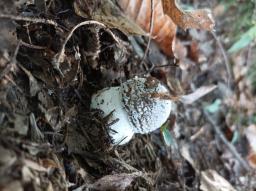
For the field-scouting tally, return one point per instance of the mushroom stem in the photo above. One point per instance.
(109, 100)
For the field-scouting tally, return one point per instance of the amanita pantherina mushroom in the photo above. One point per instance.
(139, 105)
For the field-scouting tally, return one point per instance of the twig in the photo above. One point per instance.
(28, 19)
(32, 46)
(29, 38)
(125, 165)
(226, 60)
(151, 26)
(231, 148)
(197, 134)
(60, 56)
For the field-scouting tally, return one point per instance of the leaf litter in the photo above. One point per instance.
(55, 54)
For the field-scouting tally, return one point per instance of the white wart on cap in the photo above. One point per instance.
(136, 104)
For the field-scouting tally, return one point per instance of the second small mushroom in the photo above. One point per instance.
(139, 105)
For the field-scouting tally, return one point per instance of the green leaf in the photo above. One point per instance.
(214, 107)
(244, 41)
(168, 139)
(240, 44)
(235, 137)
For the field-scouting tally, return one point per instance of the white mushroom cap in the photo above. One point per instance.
(109, 100)
(137, 104)
(145, 112)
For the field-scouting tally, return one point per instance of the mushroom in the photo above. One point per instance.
(139, 105)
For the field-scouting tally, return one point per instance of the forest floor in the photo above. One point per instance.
(50, 139)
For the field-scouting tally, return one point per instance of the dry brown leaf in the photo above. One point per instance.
(35, 134)
(199, 19)
(193, 52)
(250, 133)
(164, 29)
(52, 116)
(85, 8)
(27, 174)
(252, 159)
(212, 181)
(34, 166)
(197, 94)
(167, 15)
(33, 84)
(48, 163)
(180, 52)
(14, 185)
(114, 182)
(119, 182)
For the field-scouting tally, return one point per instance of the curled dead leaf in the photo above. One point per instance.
(199, 19)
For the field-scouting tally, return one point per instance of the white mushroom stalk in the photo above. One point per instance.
(138, 106)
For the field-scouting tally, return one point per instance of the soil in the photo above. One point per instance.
(52, 140)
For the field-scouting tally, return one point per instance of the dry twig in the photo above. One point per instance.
(226, 60)
(231, 148)
(28, 19)
(60, 56)
(32, 46)
(151, 26)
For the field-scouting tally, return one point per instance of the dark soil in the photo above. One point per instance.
(52, 140)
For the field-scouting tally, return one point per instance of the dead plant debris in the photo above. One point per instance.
(55, 54)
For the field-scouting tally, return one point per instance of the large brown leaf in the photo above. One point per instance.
(167, 15)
